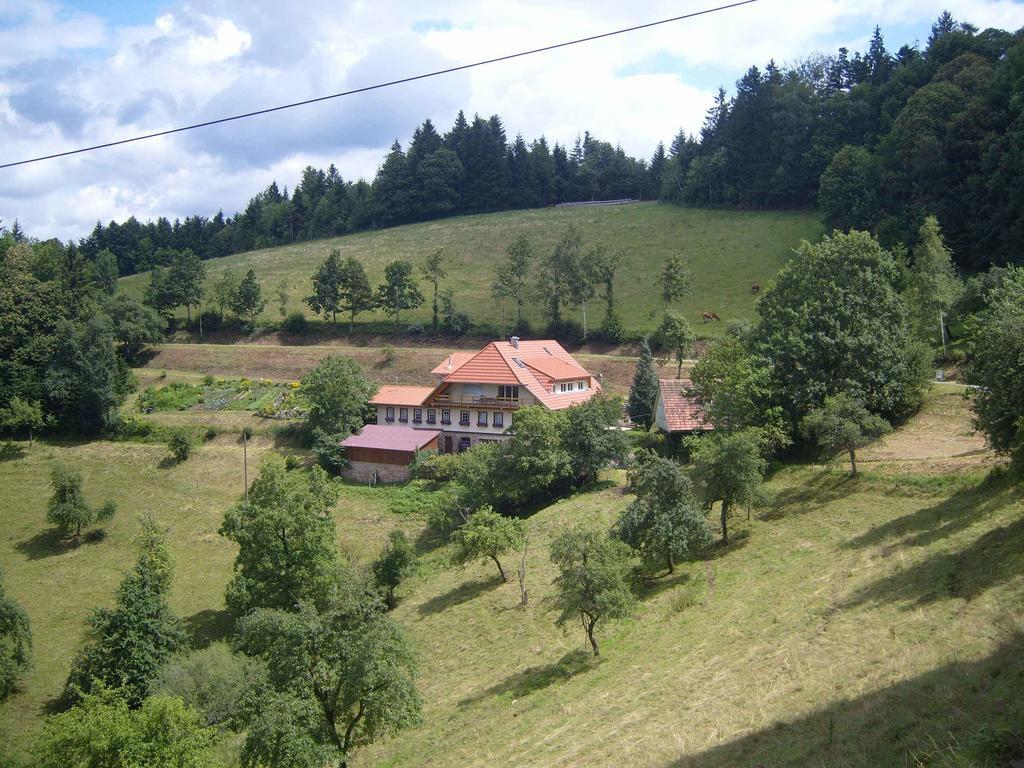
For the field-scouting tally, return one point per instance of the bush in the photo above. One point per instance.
(292, 462)
(295, 322)
(612, 329)
(247, 433)
(180, 446)
(208, 379)
(565, 329)
(209, 434)
(211, 321)
(212, 680)
(388, 355)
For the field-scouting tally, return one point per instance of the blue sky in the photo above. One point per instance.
(88, 71)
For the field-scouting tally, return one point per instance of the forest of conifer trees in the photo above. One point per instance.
(877, 141)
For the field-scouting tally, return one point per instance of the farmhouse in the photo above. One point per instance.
(478, 393)
(677, 410)
(378, 453)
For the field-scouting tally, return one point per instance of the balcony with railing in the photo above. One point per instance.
(477, 401)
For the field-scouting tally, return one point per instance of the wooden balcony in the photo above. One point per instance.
(475, 401)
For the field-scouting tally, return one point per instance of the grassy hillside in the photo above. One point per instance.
(726, 250)
(850, 624)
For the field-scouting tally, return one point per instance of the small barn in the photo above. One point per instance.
(384, 453)
(677, 410)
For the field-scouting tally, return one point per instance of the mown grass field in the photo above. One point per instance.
(726, 252)
(862, 622)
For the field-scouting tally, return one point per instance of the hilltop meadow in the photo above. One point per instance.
(725, 252)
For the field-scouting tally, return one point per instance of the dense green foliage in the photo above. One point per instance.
(337, 391)
(104, 731)
(842, 423)
(728, 467)
(549, 453)
(486, 535)
(67, 509)
(394, 564)
(997, 366)
(285, 538)
(22, 414)
(592, 584)
(664, 522)
(643, 393)
(130, 642)
(211, 680)
(340, 675)
(835, 322)
(15, 643)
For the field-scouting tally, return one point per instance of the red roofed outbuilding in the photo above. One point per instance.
(383, 453)
(677, 410)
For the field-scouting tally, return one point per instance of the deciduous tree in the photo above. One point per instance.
(338, 392)
(67, 508)
(341, 676)
(728, 467)
(843, 423)
(15, 643)
(592, 584)
(22, 414)
(104, 731)
(327, 285)
(248, 301)
(487, 535)
(434, 273)
(286, 540)
(394, 564)
(512, 276)
(398, 291)
(665, 521)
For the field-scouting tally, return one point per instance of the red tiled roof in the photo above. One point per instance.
(452, 362)
(535, 365)
(390, 438)
(683, 411)
(556, 369)
(400, 395)
(485, 367)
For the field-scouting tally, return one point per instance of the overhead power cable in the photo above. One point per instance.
(378, 86)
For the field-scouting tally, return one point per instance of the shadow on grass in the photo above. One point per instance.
(461, 594)
(647, 586)
(208, 626)
(167, 462)
(49, 543)
(428, 540)
(975, 704)
(992, 559)
(809, 495)
(738, 539)
(11, 452)
(948, 517)
(537, 678)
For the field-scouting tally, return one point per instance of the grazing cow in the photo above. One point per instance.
(708, 316)
(755, 287)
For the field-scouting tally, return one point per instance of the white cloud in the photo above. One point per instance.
(69, 78)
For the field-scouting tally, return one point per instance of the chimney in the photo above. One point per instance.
(514, 341)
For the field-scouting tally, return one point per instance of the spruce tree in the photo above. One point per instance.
(644, 390)
(132, 640)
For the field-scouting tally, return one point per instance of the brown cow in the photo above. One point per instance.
(708, 316)
(755, 287)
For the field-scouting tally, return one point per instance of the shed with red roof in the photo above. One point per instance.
(383, 453)
(677, 409)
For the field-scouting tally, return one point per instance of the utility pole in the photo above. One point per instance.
(245, 465)
(942, 333)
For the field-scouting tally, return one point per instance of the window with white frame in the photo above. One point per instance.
(403, 415)
(389, 414)
(481, 418)
(499, 419)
